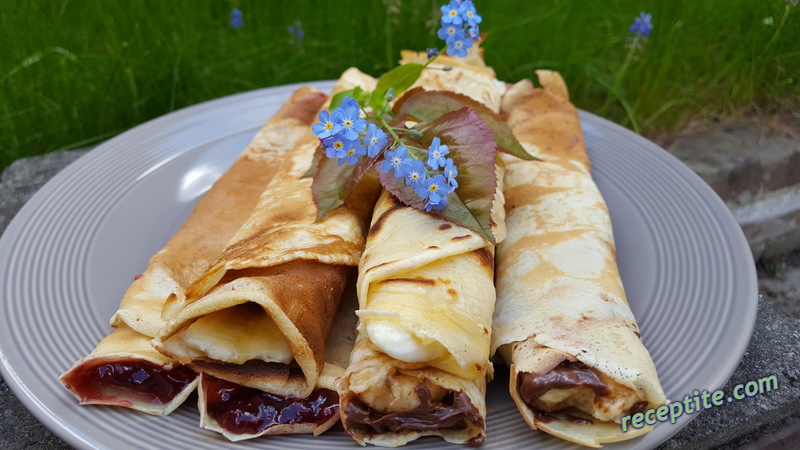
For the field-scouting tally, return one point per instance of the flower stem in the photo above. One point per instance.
(425, 66)
(416, 149)
(397, 140)
(618, 80)
(391, 131)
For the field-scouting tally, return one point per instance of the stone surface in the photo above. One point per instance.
(765, 420)
(741, 160)
(779, 282)
(19, 429)
(25, 176)
(753, 164)
(772, 224)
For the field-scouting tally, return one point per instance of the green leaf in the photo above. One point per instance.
(334, 183)
(400, 78)
(473, 150)
(360, 95)
(423, 105)
(338, 98)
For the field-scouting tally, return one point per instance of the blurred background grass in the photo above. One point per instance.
(74, 73)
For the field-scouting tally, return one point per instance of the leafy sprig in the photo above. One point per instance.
(433, 150)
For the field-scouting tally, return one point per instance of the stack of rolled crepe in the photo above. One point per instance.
(255, 324)
(562, 321)
(124, 369)
(426, 297)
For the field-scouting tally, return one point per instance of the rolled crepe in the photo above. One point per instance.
(421, 359)
(124, 369)
(562, 321)
(426, 297)
(261, 314)
(469, 76)
(189, 252)
(240, 412)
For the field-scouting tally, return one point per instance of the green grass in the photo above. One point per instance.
(74, 73)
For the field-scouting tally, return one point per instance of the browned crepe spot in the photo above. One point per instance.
(376, 227)
(419, 280)
(485, 258)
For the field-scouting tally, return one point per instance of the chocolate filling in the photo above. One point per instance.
(243, 410)
(567, 375)
(454, 410)
(638, 407)
(132, 380)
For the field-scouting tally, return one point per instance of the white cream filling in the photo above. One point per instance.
(399, 343)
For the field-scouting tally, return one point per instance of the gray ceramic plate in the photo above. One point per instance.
(71, 252)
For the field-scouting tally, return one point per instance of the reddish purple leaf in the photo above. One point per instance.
(334, 183)
(319, 153)
(424, 105)
(399, 189)
(473, 150)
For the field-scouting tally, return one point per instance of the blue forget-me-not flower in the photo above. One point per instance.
(336, 143)
(459, 27)
(642, 25)
(436, 153)
(327, 125)
(397, 160)
(435, 190)
(469, 14)
(451, 13)
(351, 153)
(375, 139)
(451, 172)
(415, 173)
(236, 18)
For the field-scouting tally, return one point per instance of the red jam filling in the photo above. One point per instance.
(243, 410)
(125, 379)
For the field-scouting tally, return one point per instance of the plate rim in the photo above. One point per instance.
(47, 418)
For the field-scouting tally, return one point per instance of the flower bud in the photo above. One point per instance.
(415, 134)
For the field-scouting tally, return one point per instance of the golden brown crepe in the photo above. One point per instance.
(205, 233)
(260, 315)
(174, 267)
(426, 297)
(562, 321)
